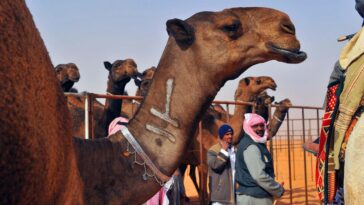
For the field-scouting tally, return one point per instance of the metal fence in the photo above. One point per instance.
(293, 166)
(302, 124)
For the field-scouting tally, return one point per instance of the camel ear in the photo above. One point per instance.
(272, 98)
(259, 101)
(107, 65)
(58, 68)
(183, 33)
(247, 81)
(137, 82)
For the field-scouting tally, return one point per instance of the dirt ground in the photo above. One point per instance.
(294, 183)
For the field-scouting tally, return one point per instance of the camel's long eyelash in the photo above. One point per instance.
(231, 28)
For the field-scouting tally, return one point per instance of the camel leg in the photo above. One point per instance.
(182, 169)
(204, 186)
(354, 172)
(202, 169)
(193, 177)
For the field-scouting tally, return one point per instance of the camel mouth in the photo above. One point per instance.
(137, 75)
(273, 86)
(291, 56)
(74, 79)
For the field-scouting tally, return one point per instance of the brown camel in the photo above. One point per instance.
(120, 73)
(146, 79)
(129, 107)
(40, 161)
(67, 74)
(262, 102)
(278, 116)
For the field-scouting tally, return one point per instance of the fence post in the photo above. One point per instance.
(289, 160)
(90, 97)
(86, 116)
(202, 164)
(304, 154)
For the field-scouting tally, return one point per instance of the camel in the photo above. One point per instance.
(262, 102)
(129, 107)
(261, 108)
(42, 163)
(120, 73)
(146, 79)
(278, 116)
(67, 74)
(282, 107)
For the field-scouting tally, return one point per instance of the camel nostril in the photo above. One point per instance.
(288, 28)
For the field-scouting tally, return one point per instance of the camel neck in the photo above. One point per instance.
(67, 86)
(168, 116)
(237, 119)
(112, 108)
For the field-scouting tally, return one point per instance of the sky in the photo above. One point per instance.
(90, 32)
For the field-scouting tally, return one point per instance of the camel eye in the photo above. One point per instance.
(259, 82)
(288, 28)
(58, 70)
(233, 30)
(145, 83)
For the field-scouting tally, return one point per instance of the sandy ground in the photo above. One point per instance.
(294, 183)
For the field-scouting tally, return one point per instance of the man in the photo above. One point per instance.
(221, 163)
(344, 106)
(254, 165)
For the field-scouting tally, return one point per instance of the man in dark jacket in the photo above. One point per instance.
(221, 163)
(254, 166)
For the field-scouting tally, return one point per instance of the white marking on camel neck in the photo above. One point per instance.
(164, 115)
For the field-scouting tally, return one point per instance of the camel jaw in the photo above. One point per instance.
(291, 56)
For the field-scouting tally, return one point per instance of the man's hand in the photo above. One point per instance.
(224, 144)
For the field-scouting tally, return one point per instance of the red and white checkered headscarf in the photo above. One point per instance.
(117, 124)
(252, 119)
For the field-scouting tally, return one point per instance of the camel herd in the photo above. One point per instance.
(41, 162)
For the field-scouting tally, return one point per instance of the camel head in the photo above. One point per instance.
(250, 87)
(146, 79)
(264, 99)
(279, 116)
(121, 71)
(235, 39)
(284, 105)
(67, 74)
